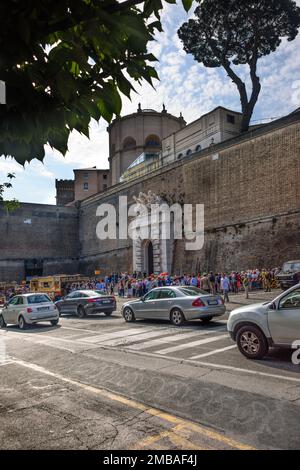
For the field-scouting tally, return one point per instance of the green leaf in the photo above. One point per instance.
(186, 4)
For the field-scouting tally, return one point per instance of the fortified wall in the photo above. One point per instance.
(250, 186)
(38, 239)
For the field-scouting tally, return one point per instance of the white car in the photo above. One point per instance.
(27, 309)
(257, 327)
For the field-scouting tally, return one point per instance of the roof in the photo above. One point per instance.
(93, 168)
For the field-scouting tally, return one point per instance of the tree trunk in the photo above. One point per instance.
(247, 105)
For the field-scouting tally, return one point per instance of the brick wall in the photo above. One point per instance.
(250, 186)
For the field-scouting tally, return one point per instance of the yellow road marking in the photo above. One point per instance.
(139, 406)
(178, 440)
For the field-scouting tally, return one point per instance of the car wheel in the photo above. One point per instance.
(80, 312)
(128, 315)
(177, 317)
(251, 342)
(108, 314)
(2, 322)
(54, 322)
(206, 319)
(22, 323)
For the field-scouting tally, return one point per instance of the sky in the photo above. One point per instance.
(185, 86)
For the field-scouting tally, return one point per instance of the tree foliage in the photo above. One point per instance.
(226, 33)
(67, 62)
(12, 204)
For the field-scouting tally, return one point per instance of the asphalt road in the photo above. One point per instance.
(99, 383)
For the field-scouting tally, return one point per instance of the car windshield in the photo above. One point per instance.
(292, 266)
(189, 290)
(88, 293)
(38, 299)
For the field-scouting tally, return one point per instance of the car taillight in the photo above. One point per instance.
(198, 303)
(222, 300)
(29, 310)
(90, 301)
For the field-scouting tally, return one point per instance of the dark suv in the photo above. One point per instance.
(289, 275)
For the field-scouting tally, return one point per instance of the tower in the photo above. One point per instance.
(142, 131)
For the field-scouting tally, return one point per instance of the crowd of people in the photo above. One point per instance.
(138, 284)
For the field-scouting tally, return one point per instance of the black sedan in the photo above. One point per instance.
(87, 302)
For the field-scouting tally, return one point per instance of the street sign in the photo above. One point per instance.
(97, 272)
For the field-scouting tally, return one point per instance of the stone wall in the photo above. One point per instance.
(44, 233)
(250, 186)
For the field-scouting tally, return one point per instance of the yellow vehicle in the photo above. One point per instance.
(54, 286)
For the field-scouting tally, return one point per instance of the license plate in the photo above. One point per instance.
(43, 309)
(106, 301)
(212, 302)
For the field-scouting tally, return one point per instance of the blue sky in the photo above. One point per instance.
(185, 86)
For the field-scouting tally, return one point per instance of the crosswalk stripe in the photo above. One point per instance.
(191, 345)
(167, 339)
(211, 353)
(134, 338)
(113, 335)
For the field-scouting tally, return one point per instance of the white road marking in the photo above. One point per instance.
(180, 347)
(168, 339)
(215, 351)
(211, 365)
(134, 338)
(115, 334)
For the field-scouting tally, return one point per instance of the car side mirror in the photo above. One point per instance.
(273, 306)
(5, 304)
(142, 298)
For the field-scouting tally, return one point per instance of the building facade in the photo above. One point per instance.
(137, 133)
(249, 185)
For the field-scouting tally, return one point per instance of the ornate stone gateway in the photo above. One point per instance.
(151, 254)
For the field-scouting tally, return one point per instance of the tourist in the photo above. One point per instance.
(225, 286)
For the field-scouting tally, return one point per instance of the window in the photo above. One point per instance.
(167, 294)
(180, 155)
(13, 301)
(85, 186)
(152, 141)
(86, 174)
(38, 299)
(105, 177)
(104, 187)
(294, 266)
(20, 301)
(292, 300)
(230, 118)
(190, 291)
(188, 152)
(152, 295)
(129, 143)
(198, 148)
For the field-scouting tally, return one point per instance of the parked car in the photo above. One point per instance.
(176, 304)
(87, 302)
(27, 309)
(257, 327)
(289, 274)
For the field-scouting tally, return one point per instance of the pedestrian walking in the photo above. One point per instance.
(225, 286)
(246, 286)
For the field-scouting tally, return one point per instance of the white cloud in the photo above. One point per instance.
(185, 86)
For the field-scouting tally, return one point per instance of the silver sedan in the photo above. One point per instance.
(176, 304)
